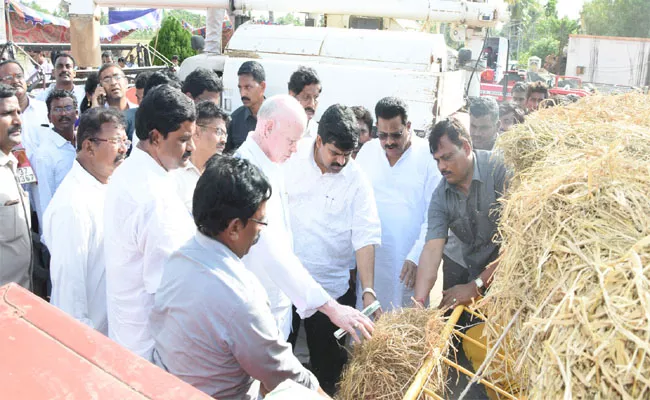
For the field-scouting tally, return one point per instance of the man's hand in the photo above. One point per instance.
(98, 97)
(407, 276)
(459, 295)
(348, 319)
(368, 299)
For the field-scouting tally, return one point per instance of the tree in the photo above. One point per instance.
(627, 18)
(63, 11)
(172, 39)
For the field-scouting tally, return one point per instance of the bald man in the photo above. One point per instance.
(281, 122)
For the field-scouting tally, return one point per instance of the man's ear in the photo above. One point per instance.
(269, 124)
(87, 146)
(234, 228)
(155, 137)
(467, 147)
(263, 85)
(408, 126)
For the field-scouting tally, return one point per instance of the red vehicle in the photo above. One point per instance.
(563, 85)
(568, 85)
(492, 89)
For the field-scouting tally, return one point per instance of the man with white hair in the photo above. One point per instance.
(281, 122)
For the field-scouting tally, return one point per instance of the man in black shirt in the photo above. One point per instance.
(252, 83)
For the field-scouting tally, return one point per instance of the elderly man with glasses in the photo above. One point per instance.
(75, 235)
(209, 139)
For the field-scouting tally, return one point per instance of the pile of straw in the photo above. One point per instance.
(384, 366)
(575, 268)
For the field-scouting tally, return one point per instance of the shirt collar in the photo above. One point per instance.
(57, 139)
(145, 159)
(256, 152)
(248, 113)
(214, 245)
(84, 176)
(5, 158)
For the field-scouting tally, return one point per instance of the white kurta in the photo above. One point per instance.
(144, 222)
(75, 237)
(272, 259)
(403, 193)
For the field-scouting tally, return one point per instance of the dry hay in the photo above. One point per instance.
(384, 366)
(575, 260)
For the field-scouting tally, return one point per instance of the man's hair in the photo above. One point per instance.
(106, 54)
(6, 91)
(206, 110)
(91, 121)
(164, 77)
(59, 55)
(107, 66)
(453, 128)
(92, 80)
(391, 107)
(59, 94)
(164, 108)
(482, 106)
(304, 76)
(509, 107)
(121, 59)
(229, 188)
(363, 115)
(254, 69)
(279, 106)
(520, 87)
(141, 79)
(200, 80)
(537, 87)
(338, 126)
(5, 62)
(174, 57)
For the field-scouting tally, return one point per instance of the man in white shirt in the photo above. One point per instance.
(34, 112)
(64, 74)
(144, 218)
(209, 139)
(403, 175)
(73, 225)
(305, 86)
(280, 125)
(211, 319)
(334, 223)
(15, 235)
(55, 155)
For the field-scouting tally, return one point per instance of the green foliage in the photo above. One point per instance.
(172, 39)
(195, 20)
(627, 18)
(63, 10)
(544, 47)
(37, 7)
(290, 19)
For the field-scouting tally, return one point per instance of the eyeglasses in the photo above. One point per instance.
(67, 108)
(394, 135)
(111, 78)
(12, 77)
(263, 223)
(115, 141)
(218, 131)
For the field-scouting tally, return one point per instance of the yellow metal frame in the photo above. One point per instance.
(418, 387)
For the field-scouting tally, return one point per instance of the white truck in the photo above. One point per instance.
(360, 66)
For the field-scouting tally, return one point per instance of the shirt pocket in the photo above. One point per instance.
(11, 220)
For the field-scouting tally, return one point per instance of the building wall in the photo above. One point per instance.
(609, 60)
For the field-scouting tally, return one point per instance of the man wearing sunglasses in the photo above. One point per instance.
(403, 176)
(209, 139)
(75, 235)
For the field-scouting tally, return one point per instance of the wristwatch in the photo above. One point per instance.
(369, 290)
(480, 286)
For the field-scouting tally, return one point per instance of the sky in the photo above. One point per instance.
(568, 8)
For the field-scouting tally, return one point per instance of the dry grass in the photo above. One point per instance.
(575, 231)
(384, 366)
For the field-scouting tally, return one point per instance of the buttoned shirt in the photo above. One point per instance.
(473, 218)
(213, 327)
(272, 259)
(332, 216)
(73, 229)
(242, 121)
(144, 222)
(402, 192)
(15, 236)
(186, 179)
(311, 131)
(33, 119)
(51, 163)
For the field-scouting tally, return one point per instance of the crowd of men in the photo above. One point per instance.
(199, 240)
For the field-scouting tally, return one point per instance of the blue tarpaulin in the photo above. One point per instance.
(115, 17)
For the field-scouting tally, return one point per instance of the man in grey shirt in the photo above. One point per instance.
(465, 201)
(211, 320)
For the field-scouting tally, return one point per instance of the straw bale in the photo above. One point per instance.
(384, 366)
(575, 232)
